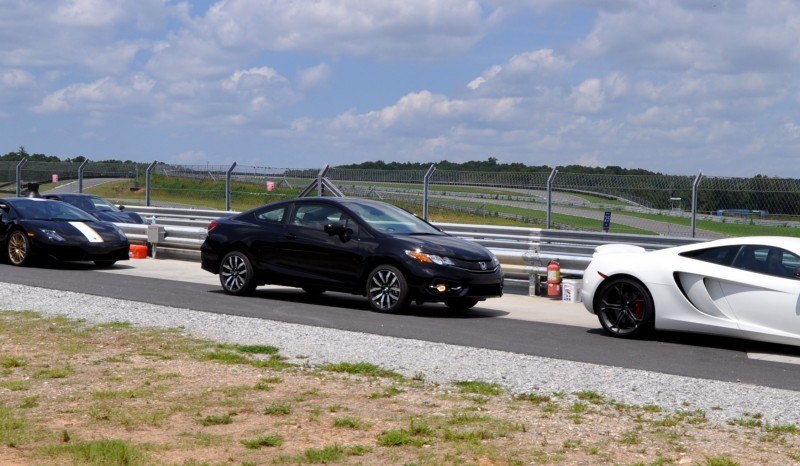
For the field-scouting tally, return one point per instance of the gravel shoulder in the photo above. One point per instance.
(441, 363)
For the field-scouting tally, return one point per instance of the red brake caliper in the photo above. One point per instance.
(638, 309)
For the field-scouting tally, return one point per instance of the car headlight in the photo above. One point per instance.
(52, 235)
(495, 260)
(429, 258)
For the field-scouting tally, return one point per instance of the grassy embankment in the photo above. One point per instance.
(113, 394)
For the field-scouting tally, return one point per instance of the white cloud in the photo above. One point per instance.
(100, 94)
(17, 78)
(254, 78)
(521, 73)
(313, 77)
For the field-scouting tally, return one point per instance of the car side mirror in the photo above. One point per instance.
(121, 207)
(796, 273)
(338, 229)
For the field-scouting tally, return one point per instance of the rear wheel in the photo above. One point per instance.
(105, 264)
(387, 289)
(19, 248)
(625, 308)
(460, 304)
(236, 274)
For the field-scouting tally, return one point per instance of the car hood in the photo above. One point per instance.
(76, 231)
(447, 246)
(118, 217)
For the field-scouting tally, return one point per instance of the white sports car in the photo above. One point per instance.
(739, 287)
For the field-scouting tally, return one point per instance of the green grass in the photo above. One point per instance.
(216, 420)
(265, 441)
(278, 409)
(362, 368)
(479, 387)
(349, 423)
(99, 452)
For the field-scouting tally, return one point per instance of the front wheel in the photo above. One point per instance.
(19, 248)
(625, 308)
(387, 289)
(460, 304)
(236, 274)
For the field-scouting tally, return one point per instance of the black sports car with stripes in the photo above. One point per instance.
(32, 228)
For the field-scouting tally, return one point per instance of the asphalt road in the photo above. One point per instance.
(679, 354)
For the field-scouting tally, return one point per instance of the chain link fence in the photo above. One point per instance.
(649, 204)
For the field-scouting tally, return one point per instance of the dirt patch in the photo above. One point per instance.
(72, 393)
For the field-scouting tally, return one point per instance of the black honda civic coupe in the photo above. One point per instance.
(38, 228)
(350, 245)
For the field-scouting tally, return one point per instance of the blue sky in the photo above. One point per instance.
(674, 86)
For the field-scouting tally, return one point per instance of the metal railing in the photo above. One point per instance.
(544, 197)
(524, 253)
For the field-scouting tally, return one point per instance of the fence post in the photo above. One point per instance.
(19, 175)
(80, 175)
(320, 176)
(550, 196)
(228, 187)
(427, 182)
(147, 186)
(695, 185)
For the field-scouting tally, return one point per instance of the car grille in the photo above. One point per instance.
(475, 266)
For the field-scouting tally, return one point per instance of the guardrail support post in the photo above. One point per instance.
(695, 187)
(19, 175)
(427, 182)
(80, 175)
(147, 186)
(320, 176)
(228, 187)
(550, 196)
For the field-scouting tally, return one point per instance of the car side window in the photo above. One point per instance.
(271, 215)
(767, 260)
(316, 216)
(721, 255)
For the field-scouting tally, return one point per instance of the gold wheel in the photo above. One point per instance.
(18, 248)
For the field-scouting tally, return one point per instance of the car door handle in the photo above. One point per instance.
(291, 236)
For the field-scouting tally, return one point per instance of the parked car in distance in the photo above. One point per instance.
(98, 207)
(746, 287)
(35, 228)
(356, 246)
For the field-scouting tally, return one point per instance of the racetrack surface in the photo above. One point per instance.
(678, 354)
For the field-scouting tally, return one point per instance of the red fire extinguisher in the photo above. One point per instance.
(554, 278)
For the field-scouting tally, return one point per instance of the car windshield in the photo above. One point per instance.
(33, 209)
(90, 203)
(390, 219)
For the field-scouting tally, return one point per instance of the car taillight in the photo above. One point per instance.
(212, 225)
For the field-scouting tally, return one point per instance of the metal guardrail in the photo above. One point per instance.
(524, 253)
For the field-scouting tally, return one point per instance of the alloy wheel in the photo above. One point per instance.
(18, 248)
(236, 274)
(625, 308)
(387, 289)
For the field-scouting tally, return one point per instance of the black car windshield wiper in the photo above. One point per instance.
(69, 219)
(421, 233)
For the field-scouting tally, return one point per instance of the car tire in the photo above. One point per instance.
(236, 274)
(313, 290)
(105, 264)
(460, 304)
(625, 308)
(19, 248)
(387, 289)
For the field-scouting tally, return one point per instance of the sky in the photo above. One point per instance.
(672, 86)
